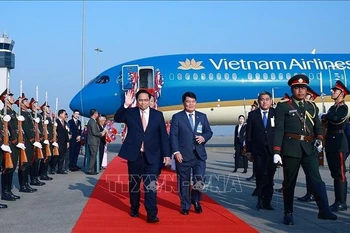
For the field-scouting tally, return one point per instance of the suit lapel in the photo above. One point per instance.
(196, 122)
(149, 125)
(137, 116)
(259, 118)
(184, 115)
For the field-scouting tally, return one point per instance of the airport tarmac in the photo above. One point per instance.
(56, 206)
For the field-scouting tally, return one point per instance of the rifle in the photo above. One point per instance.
(46, 136)
(324, 131)
(7, 155)
(54, 139)
(38, 150)
(23, 155)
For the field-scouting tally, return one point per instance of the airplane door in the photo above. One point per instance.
(129, 74)
(146, 80)
(336, 74)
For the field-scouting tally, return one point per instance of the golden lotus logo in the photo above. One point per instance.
(190, 65)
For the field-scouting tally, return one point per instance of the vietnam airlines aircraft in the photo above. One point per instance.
(225, 84)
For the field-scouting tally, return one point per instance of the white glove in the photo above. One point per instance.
(46, 122)
(318, 145)
(20, 118)
(7, 118)
(6, 148)
(21, 146)
(37, 120)
(277, 159)
(46, 142)
(55, 124)
(55, 144)
(38, 144)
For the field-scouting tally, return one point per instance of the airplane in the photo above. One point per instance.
(225, 84)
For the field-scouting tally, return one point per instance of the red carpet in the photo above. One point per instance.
(107, 210)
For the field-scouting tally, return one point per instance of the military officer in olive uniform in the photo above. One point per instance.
(297, 138)
(11, 118)
(311, 95)
(34, 174)
(44, 164)
(337, 144)
(28, 140)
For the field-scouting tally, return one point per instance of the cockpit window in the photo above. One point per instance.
(103, 79)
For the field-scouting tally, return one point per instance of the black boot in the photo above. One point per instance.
(340, 190)
(5, 188)
(322, 202)
(33, 175)
(3, 206)
(10, 190)
(22, 181)
(26, 180)
(43, 171)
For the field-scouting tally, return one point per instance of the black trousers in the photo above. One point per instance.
(74, 149)
(264, 170)
(142, 169)
(238, 154)
(291, 167)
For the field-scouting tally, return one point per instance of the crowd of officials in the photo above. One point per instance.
(39, 144)
(292, 134)
(289, 134)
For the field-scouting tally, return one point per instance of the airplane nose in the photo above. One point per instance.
(76, 102)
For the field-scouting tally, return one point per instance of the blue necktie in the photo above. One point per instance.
(265, 119)
(191, 120)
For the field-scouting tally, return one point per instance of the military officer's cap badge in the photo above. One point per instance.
(299, 79)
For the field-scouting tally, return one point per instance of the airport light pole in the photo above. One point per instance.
(98, 50)
(82, 61)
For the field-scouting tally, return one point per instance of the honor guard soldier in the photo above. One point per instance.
(311, 95)
(297, 136)
(27, 142)
(2, 206)
(47, 148)
(337, 144)
(11, 118)
(37, 145)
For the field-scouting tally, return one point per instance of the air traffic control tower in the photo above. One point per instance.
(7, 61)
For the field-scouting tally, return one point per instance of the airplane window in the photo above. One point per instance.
(195, 76)
(218, 76)
(257, 76)
(234, 76)
(102, 80)
(273, 76)
(265, 76)
(211, 76)
(203, 76)
(311, 76)
(318, 76)
(288, 76)
(226, 76)
(171, 76)
(179, 76)
(250, 77)
(280, 76)
(187, 76)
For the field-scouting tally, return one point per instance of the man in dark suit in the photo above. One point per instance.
(145, 145)
(189, 132)
(62, 140)
(240, 133)
(297, 139)
(74, 142)
(259, 140)
(94, 137)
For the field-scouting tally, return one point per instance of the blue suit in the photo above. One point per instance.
(182, 139)
(143, 164)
